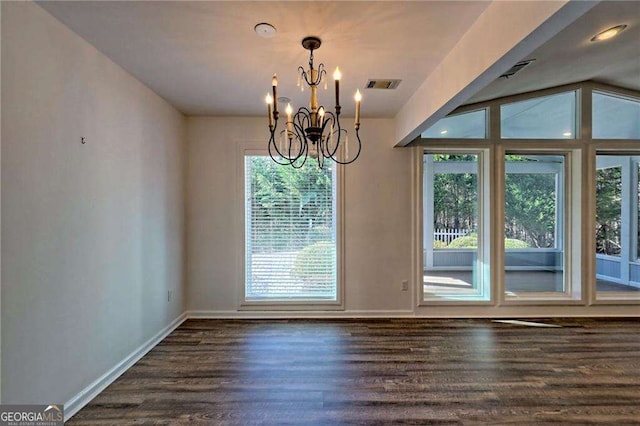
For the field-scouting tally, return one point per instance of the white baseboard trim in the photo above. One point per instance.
(504, 312)
(81, 399)
(299, 314)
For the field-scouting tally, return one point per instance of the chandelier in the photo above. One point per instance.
(316, 131)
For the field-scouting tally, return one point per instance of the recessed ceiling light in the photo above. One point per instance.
(444, 132)
(265, 30)
(608, 33)
(566, 134)
(283, 100)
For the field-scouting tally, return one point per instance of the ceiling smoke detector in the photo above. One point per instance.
(383, 84)
(517, 68)
(265, 30)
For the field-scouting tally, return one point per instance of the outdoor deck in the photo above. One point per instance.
(461, 282)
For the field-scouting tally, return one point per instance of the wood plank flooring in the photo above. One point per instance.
(412, 371)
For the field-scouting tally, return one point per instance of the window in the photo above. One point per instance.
(534, 224)
(548, 117)
(518, 207)
(615, 117)
(455, 267)
(608, 207)
(617, 224)
(470, 125)
(290, 232)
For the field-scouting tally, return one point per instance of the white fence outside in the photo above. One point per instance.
(448, 235)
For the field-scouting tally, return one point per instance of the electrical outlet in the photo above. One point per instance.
(169, 295)
(405, 285)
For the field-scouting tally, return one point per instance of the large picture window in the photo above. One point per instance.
(617, 223)
(534, 218)
(455, 265)
(290, 232)
(530, 200)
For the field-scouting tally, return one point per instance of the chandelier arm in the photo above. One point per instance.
(332, 153)
(339, 135)
(303, 118)
(298, 127)
(321, 73)
(273, 145)
(304, 75)
(303, 155)
(329, 121)
(357, 154)
(275, 159)
(301, 151)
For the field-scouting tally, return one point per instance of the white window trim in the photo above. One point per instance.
(571, 225)
(485, 293)
(629, 223)
(247, 148)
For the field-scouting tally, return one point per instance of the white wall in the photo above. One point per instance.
(378, 234)
(92, 235)
(377, 217)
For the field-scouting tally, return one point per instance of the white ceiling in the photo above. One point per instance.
(570, 57)
(205, 59)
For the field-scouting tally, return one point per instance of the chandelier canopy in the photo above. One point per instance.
(315, 131)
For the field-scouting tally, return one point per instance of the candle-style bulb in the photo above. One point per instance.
(358, 98)
(274, 80)
(269, 101)
(289, 111)
(337, 75)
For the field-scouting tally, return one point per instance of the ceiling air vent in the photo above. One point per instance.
(383, 84)
(517, 67)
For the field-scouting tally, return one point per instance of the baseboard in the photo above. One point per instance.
(74, 405)
(299, 314)
(463, 313)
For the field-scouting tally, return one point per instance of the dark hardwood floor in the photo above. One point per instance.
(381, 372)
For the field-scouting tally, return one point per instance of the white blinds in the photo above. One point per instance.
(290, 232)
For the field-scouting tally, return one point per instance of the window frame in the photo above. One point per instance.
(620, 148)
(542, 94)
(618, 93)
(486, 112)
(579, 204)
(255, 148)
(486, 292)
(635, 224)
(569, 226)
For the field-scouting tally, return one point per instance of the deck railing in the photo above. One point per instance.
(448, 235)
